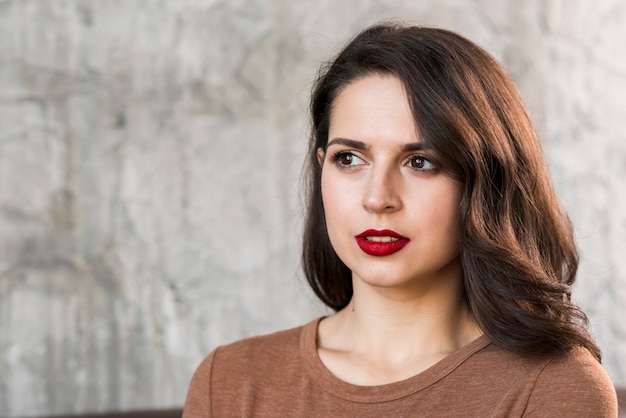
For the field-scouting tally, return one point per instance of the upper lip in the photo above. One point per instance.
(380, 233)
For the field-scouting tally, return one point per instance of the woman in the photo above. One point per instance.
(435, 234)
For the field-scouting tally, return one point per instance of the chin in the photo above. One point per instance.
(385, 280)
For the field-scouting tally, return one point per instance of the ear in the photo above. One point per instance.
(320, 156)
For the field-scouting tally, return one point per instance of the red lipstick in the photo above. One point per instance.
(380, 243)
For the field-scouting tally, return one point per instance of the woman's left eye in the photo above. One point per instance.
(417, 162)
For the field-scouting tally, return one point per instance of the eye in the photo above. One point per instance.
(346, 159)
(417, 162)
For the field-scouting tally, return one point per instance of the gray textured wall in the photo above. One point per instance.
(150, 153)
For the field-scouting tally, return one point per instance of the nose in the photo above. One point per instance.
(381, 194)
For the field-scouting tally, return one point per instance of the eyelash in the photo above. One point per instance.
(336, 159)
(424, 160)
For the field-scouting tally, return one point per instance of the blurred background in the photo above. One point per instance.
(150, 157)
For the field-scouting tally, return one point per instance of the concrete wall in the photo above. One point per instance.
(150, 153)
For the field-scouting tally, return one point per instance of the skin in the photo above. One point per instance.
(407, 311)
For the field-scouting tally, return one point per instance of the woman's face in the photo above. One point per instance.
(392, 213)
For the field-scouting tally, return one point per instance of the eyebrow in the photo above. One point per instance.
(348, 143)
(413, 146)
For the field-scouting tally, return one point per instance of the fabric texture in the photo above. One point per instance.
(281, 375)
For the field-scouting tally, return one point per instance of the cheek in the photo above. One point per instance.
(449, 216)
(337, 202)
(328, 196)
(442, 215)
(331, 215)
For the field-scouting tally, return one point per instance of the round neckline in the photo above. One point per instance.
(378, 393)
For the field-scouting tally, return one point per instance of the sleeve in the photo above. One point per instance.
(198, 402)
(573, 386)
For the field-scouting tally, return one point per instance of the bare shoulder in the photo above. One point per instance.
(574, 384)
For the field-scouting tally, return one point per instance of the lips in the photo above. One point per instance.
(380, 243)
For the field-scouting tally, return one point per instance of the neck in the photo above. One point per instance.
(397, 323)
(387, 334)
(423, 324)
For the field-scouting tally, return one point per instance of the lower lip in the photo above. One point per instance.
(380, 249)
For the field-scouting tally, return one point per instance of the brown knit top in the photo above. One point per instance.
(281, 375)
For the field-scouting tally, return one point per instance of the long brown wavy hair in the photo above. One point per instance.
(517, 248)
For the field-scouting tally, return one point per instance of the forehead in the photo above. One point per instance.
(371, 108)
